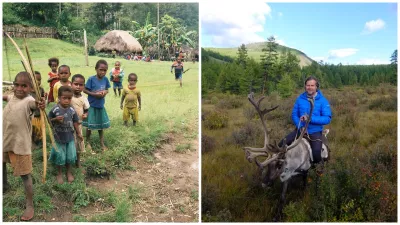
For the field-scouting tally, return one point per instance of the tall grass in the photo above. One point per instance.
(360, 180)
(166, 108)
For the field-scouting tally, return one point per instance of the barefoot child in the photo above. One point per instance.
(36, 126)
(65, 122)
(116, 75)
(133, 102)
(97, 88)
(63, 73)
(17, 130)
(53, 77)
(178, 65)
(81, 106)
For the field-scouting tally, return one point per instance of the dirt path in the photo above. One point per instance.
(168, 187)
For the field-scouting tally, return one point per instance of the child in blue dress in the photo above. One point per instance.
(97, 88)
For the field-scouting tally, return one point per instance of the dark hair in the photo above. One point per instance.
(77, 76)
(62, 66)
(37, 73)
(25, 75)
(132, 74)
(101, 61)
(312, 78)
(54, 59)
(63, 89)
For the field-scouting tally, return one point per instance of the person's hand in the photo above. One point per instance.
(41, 103)
(84, 116)
(303, 118)
(60, 118)
(121, 106)
(79, 137)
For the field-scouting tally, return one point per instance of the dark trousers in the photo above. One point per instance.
(315, 141)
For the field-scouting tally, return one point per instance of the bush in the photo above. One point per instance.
(216, 120)
(246, 135)
(384, 104)
(207, 143)
(92, 51)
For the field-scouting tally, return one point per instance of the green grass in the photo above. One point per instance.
(165, 108)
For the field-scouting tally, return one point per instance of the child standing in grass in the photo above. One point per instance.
(97, 88)
(133, 102)
(65, 122)
(17, 130)
(53, 76)
(116, 75)
(81, 106)
(63, 73)
(36, 127)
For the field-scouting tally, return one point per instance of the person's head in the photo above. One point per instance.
(117, 65)
(38, 77)
(101, 68)
(53, 63)
(78, 83)
(64, 73)
(179, 60)
(311, 85)
(65, 94)
(22, 85)
(132, 79)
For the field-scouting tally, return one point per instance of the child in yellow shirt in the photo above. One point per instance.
(132, 98)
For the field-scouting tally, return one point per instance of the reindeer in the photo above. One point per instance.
(284, 161)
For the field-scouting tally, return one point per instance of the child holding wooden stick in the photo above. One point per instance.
(17, 130)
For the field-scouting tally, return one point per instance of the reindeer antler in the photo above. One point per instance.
(253, 153)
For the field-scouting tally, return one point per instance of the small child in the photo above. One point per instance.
(81, 106)
(65, 122)
(53, 77)
(64, 73)
(17, 130)
(97, 88)
(36, 125)
(178, 65)
(116, 75)
(133, 102)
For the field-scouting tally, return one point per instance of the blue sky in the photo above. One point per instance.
(347, 33)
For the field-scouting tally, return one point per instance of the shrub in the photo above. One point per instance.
(246, 135)
(216, 120)
(384, 104)
(250, 112)
(230, 102)
(207, 143)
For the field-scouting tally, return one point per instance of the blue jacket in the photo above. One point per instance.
(321, 115)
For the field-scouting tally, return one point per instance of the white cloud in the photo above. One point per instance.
(233, 23)
(340, 53)
(373, 25)
(280, 14)
(372, 61)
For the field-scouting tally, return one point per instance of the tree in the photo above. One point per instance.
(268, 60)
(393, 58)
(242, 56)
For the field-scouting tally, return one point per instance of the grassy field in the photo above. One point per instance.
(360, 180)
(166, 108)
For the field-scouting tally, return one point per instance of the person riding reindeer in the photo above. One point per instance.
(321, 116)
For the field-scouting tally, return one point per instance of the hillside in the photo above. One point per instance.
(254, 50)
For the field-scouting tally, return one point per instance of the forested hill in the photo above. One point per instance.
(254, 50)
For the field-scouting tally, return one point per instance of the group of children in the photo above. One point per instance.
(71, 111)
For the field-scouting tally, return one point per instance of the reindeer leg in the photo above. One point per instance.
(282, 202)
(305, 175)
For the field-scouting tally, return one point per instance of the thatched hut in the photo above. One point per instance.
(120, 41)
